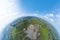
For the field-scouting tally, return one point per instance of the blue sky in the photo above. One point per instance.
(48, 10)
(38, 5)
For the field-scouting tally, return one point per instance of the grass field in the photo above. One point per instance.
(16, 31)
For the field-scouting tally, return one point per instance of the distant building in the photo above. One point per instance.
(32, 31)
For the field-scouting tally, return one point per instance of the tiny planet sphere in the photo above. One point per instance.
(30, 28)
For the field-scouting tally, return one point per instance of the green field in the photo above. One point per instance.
(16, 29)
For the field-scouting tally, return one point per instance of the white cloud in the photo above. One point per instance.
(46, 17)
(52, 20)
(50, 15)
(58, 15)
(8, 12)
